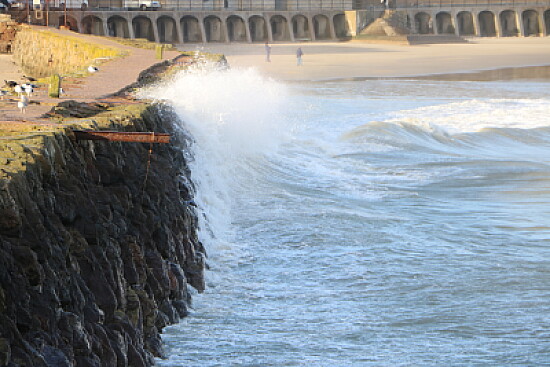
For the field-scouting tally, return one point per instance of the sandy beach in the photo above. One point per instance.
(323, 61)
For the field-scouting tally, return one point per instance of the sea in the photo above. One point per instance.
(366, 222)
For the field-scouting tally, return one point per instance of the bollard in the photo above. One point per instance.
(55, 84)
(159, 49)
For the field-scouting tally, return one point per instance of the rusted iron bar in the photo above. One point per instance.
(138, 137)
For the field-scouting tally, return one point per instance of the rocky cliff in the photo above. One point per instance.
(98, 242)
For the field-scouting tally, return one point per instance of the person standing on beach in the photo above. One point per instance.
(267, 52)
(299, 54)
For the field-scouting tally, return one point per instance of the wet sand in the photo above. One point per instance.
(343, 60)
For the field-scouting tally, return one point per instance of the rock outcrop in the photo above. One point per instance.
(98, 244)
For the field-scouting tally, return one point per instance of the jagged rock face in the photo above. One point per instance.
(96, 252)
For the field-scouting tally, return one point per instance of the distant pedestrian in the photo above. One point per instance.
(299, 54)
(267, 52)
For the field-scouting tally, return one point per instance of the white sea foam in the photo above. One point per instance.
(475, 115)
(234, 118)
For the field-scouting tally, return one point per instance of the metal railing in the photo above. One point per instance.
(199, 5)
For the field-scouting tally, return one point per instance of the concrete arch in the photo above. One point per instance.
(508, 23)
(167, 30)
(143, 28)
(213, 28)
(423, 23)
(258, 28)
(236, 29)
(444, 23)
(92, 25)
(547, 22)
(465, 23)
(118, 27)
(321, 26)
(530, 20)
(72, 23)
(341, 27)
(279, 28)
(300, 27)
(487, 27)
(191, 29)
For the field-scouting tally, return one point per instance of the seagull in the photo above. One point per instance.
(28, 88)
(10, 83)
(92, 69)
(23, 103)
(18, 89)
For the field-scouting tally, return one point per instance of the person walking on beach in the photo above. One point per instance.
(299, 54)
(267, 52)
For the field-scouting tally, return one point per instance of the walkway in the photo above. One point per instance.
(111, 77)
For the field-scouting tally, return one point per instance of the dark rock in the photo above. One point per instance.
(94, 259)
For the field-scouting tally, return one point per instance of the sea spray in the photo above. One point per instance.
(235, 118)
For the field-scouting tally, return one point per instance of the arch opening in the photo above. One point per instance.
(279, 28)
(300, 27)
(167, 30)
(341, 27)
(92, 25)
(508, 24)
(465, 23)
(322, 27)
(143, 28)
(118, 27)
(213, 28)
(72, 23)
(444, 23)
(487, 26)
(236, 29)
(530, 19)
(423, 23)
(191, 29)
(258, 29)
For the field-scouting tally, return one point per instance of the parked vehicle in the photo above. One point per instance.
(142, 4)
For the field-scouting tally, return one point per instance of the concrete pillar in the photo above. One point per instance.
(311, 28)
(224, 32)
(129, 21)
(155, 28)
(454, 20)
(203, 30)
(247, 30)
(331, 27)
(543, 30)
(519, 19)
(477, 29)
(179, 31)
(268, 29)
(290, 29)
(105, 27)
(498, 26)
(435, 27)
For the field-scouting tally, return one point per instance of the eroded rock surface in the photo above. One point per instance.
(95, 259)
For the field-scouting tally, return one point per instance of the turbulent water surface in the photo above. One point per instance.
(368, 223)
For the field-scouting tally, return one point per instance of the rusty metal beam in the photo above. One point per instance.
(138, 137)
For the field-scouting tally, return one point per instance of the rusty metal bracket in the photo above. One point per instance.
(138, 137)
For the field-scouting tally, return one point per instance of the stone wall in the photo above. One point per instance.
(96, 250)
(41, 53)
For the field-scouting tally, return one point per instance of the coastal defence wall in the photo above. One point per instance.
(41, 53)
(98, 240)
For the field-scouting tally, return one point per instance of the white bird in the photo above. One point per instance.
(23, 103)
(18, 89)
(28, 88)
(92, 69)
